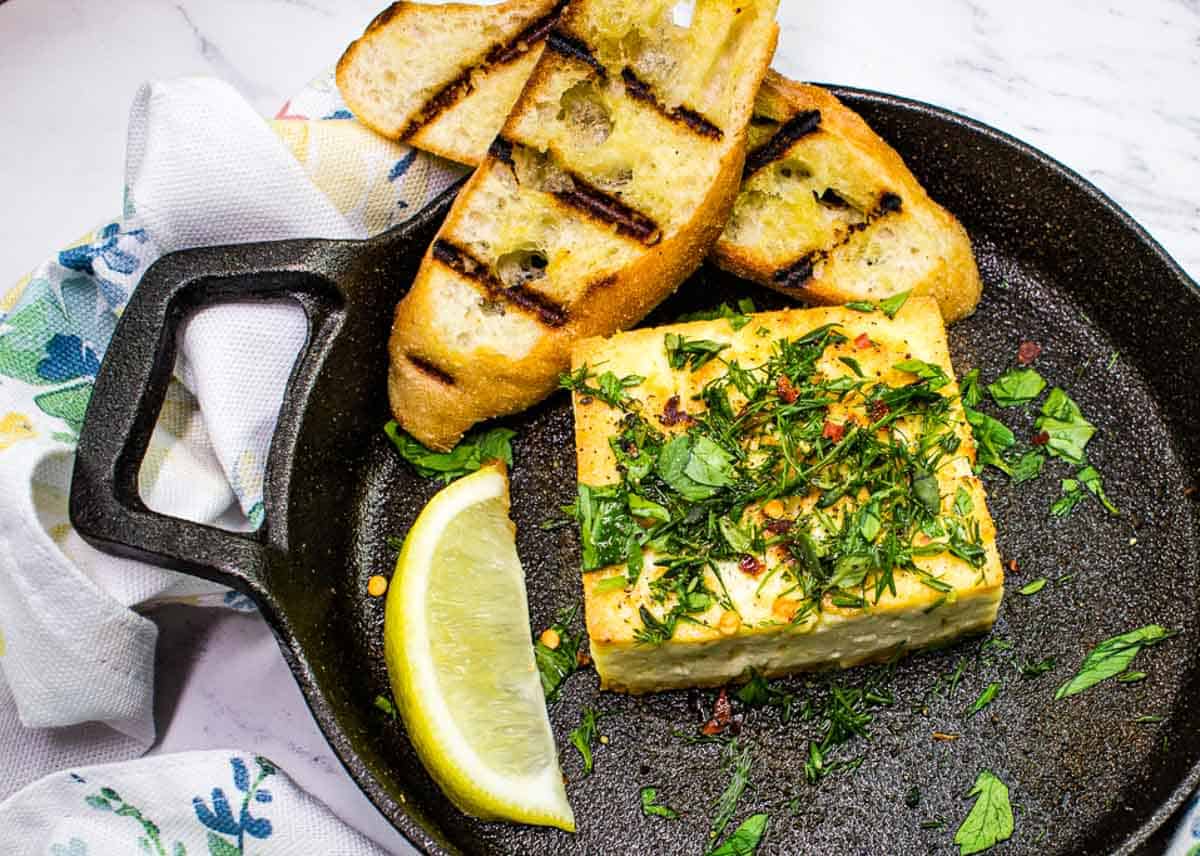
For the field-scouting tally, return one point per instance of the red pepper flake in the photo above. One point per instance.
(784, 389)
(672, 415)
(1027, 352)
(863, 341)
(1040, 439)
(750, 565)
(778, 525)
(722, 715)
(833, 431)
(877, 409)
(1012, 566)
(582, 658)
(1190, 491)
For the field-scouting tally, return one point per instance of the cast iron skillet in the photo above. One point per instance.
(1063, 266)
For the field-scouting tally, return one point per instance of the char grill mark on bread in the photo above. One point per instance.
(429, 369)
(573, 48)
(797, 274)
(463, 85)
(801, 125)
(463, 263)
(641, 91)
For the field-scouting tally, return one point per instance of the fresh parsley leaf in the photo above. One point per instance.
(386, 704)
(1090, 479)
(605, 525)
(893, 304)
(610, 389)
(1071, 497)
(990, 820)
(1111, 657)
(555, 665)
(738, 318)
(683, 352)
(1131, 677)
(745, 839)
(738, 539)
(1063, 422)
(963, 505)
(709, 464)
(647, 509)
(472, 452)
(611, 584)
(651, 806)
(985, 698)
(1016, 387)
(672, 466)
(1148, 719)
(758, 692)
(1033, 587)
(1028, 466)
(969, 389)
(932, 374)
(991, 436)
(584, 736)
(861, 306)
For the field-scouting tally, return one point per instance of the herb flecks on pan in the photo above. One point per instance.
(475, 450)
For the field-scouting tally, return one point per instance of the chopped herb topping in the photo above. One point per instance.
(472, 452)
(557, 664)
(1111, 657)
(1016, 387)
(1030, 669)
(745, 839)
(608, 387)
(990, 820)
(652, 808)
(385, 704)
(690, 503)
(738, 318)
(737, 761)
(847, 713)
(893, 304)
(985, 698)
(757, 692)
(584, 736)
(1068, 432)
(1033, 587)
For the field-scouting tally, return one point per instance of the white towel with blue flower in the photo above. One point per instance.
(76, 651)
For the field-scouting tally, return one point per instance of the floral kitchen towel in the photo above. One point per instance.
(202, 169)
(191, 803)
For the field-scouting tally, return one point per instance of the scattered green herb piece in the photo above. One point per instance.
(683, 352)
(1033, 587)
(1016, 387)
(1090, 479)
(929, 372)
(612, 584)
(395, 542)
(1030, 669)
(985, 698)
(992, 436)
(584, 736)
(963, 505)
(937, 823)
(757, 692)
(737, 761)
(1028, 466)
(847, 713)
(1112, 360)
(861, 306)
(893, 304)
(912, 799)
(651, 806)
(1063, 422)
(1131, 677)
(745, 839)
(1111, 657)
(555, 665)
(969, 389)
(472, 452)
(605, 525)
(738, 318)
(990, 820)
(1071, 496)
(386, 704)
(1148, 719)
(609, 388)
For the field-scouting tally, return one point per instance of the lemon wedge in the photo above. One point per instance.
(460, 658)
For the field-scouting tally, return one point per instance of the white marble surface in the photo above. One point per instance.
(1112, 90)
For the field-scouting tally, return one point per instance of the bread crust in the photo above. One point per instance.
(488, 383)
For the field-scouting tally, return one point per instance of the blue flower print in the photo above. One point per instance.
(219, 817)
(67, 358)
(109, 253)
(400, 167)
(74, 847)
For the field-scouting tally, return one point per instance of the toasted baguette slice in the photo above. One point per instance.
(827, 214)
(607, 186)
(420, 72)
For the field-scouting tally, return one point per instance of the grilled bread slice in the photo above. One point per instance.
(421, 73)
(827, 212)
(813, 382)
(606, 187)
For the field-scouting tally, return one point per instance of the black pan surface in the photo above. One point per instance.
(1062, 266)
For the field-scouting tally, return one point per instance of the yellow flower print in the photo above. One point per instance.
(14, 427)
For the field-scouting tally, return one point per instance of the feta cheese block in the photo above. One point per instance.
(776, 492)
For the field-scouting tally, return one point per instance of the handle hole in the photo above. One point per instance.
(208, 452)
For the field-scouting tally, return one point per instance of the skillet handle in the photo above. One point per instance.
(105, 506)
